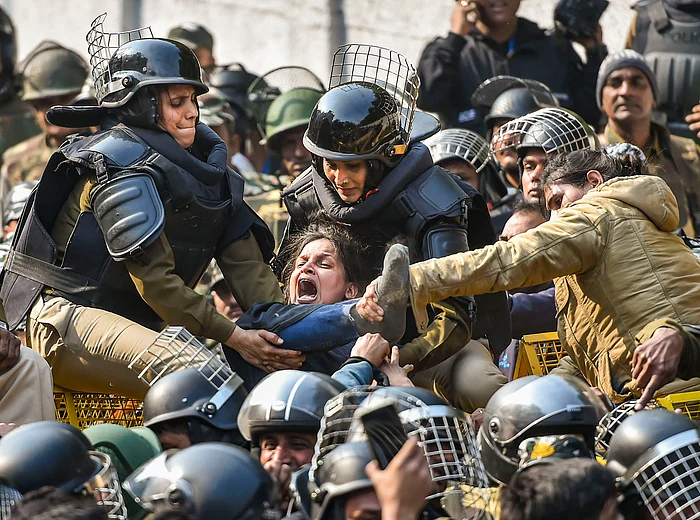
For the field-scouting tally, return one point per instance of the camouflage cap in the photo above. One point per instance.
(211, 277)
(193, 35)
(52, 70)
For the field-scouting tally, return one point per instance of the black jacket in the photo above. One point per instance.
(452, 68)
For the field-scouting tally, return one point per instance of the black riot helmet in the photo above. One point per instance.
(655, 457)
(289, 400)
(554, 130)
(58, 455)
(612, 420)
(187, 395)
(123, 63)
(530, 407)
(341, 473)
(506, 97)
(8, 56)
(207, 481)
(368, 111)
(444, 433)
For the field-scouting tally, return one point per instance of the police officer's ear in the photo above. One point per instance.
(352, 291)
(594, 178)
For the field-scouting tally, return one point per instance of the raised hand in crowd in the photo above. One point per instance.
(397, 374)
(693, 119)
(402, 486)
(464, 16)
(372, 347)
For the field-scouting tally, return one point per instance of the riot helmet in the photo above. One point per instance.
(457, 143)
(206, 481)
(8, 56)
(655, 457)
(341, 473)
(52, 454)
(233, 81)
(193, 35)
(369, 110)
(282, 100)
(16, 199)
(531, 407)
(554, 130)
(214, 111)
(286, 401)
(444, 433)
(187, 395)
(128, 448)
(125, 62)
(610, 422)
(52, 70)
(505, 98)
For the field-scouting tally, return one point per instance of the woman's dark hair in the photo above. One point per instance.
(575, 489)
(48, 503)
(351, 251)
(622, 160)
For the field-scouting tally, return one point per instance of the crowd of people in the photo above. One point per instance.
(314, 290)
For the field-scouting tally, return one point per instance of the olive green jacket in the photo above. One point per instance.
(617, 268)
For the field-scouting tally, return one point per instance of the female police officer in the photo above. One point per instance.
(124, 223)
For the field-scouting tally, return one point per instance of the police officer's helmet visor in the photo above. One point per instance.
(124, 62)
(105, 487)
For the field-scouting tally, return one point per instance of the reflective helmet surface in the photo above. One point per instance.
(123, 63)
(51, 70)
(341, 473)
(353, 122)
(510, 105)
(457, 143)
(16, 199)
(57, 455)
(530, 407)
(188, 394)
(205, 481)
(289, 400)
(655, 456)
(290, 110)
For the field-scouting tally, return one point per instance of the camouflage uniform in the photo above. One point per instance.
(25, 161)
(17, 123)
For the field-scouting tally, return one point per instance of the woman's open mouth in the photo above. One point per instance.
(307, 292)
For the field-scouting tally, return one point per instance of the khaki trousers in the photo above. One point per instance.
(467, 380)
(88, 349)
(26, 391)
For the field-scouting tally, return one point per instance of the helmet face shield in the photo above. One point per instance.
(9, 496)
(123, 62)
(610, 422)
(456, 143)
(155, 487)
(554, 130)
(105, 488)
(667, 477)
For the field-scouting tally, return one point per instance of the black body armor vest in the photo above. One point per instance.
(436, 212)
(672, 48)
(146, 185)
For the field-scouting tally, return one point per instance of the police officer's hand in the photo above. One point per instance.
(655, 362)
(282, 475)
(368, 307)
(397, 374)
(9, 350)
(372, 347)
(402, 487)
(260, 348)
(693, 119)
(464, 16)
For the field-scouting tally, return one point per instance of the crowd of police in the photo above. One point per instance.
(312, 292)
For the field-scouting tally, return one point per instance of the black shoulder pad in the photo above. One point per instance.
(118, 146)
(435, 193)
(130, 214)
